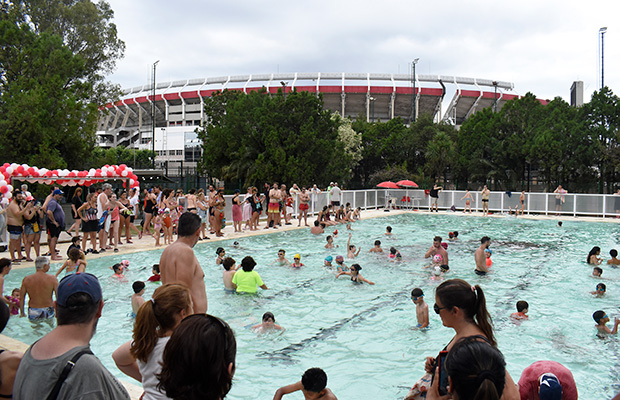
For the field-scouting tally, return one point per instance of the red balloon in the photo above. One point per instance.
(71, 174)
(20, 169)
(98, 173)
(4, 189)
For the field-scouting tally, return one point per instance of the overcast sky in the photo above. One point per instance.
(540, 46)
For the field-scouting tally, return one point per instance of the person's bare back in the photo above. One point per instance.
(40, 288)
(178, 264)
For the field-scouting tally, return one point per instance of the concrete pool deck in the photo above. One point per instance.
(148, 243)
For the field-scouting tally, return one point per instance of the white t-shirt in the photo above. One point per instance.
(152, 367)
(335, 193)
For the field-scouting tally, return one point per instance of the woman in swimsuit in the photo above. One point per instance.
(355, 275)
(90, 223)
(220, 204)
(462, 307)
(237, 212)
(150, 202)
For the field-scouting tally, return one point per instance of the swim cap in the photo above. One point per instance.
(297, 256)
(329, 258)
(339, 258)
(437, 258)
(125, 263)
(335, 231)
(488, 251)
(444, 245)
(437, 270)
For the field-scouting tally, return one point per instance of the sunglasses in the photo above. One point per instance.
(438, 309)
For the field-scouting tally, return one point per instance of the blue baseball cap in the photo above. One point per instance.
(78, 283)
(57, 191)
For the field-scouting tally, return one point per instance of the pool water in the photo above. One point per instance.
(363, 335)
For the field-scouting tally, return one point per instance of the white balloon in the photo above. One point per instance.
(9, 170)
(10, 188)
(124, 173)
(131, 182)
(71, 183)
(91, 172)
(42, 171)
(81, 182)
(3, 183)
(104, 173)
(8, 195)
(14, 165)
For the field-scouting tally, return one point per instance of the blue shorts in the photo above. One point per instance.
(40, 313)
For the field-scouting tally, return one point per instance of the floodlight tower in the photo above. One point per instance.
(602, 32)
(413, 102)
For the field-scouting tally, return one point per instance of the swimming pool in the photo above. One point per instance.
(362, 335)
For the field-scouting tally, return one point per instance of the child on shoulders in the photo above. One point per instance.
(421, 308)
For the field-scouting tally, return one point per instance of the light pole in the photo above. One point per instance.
(284, 88)
(153, 110)
(602, 32)
(495, 98)
(413, 102)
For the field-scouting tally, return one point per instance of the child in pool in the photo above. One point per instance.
(421, 308)
(75, 243)
(437, 274)
(388, 230)
(296, 261)
(124, 265)
(14, 301)
(601, 288)
(156, 277)
(75, 263)
(229, 272)
(597, 271)
(601, 319)
(281, 259)
(341, 267)
(395, 254)
(268, 325)
(313, 385)
(351, 249)
(355, 275)
(330, 242)
(118, 273)
(221, 253)
(453, 236)
(487, 254)
(377, 248)
(328, 261)
(136, 298)
(522, 308)
(614, 258)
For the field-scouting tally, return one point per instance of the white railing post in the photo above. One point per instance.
(574, 205)
(528, 203)
(604, 204)
(546, 203)
(502, 204)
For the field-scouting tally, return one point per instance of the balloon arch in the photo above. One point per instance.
(63, 177)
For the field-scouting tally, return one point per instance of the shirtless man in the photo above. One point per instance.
(485, 200)
(481, 262)
(15, 225)
(273, 211)
(318, 228)
(178, 264)
(39, 287)
(211, 200)
(304, 198)
(437, 248)
(191, 201)
(103, 205)
(522, 201)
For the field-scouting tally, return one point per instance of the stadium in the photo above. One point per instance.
(178, 105)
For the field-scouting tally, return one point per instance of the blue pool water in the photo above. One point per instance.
(363, 335)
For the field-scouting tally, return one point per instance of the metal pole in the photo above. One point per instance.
(413, 102)
(153, 110)
(602, 32)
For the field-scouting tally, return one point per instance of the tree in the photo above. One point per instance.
(258, 138)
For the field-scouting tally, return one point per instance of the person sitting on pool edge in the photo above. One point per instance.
(313, 385)
(522, 309)
(597, 271)
(601, 319)
(355, 275)
(601, 288)
(247, 280)
(614, 258)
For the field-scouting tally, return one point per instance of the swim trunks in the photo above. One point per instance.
(478, 272)
(485, 200)
(335, 204)
(444, 268)
(53, 230)
(40, 313)
(15, 231)
(273, 208)
(303, 207)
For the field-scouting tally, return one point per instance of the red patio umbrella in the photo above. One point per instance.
(388, 185)
(407, 183)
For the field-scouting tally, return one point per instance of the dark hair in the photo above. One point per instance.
(219, 250)
(417, 292)
(485, 239)
(328, 237)
(137, 286)
(4, 262)
(599, 269)
(522, 305)
(75, 239)
(157, 316)
(314, 380)
(613, 253)
(393, 250)
(156, 268)
(598, 315)
(282, 251)
(477, 370)
(456, 234)
(356, 267)
(593, 252)
(78, 309)
(602, 286)
(316, 223)
(437, 239)
(377, 243)
(116, 267)
(388, 228)
(248, 263)
(228, 262)
(196, 359)
(470, 299)
(189, 224)
(268, 315)
(192, 191)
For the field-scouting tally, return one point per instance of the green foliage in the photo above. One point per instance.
(258, 138)
(138, 159)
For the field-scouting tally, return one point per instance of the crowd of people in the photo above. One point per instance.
(179, 351)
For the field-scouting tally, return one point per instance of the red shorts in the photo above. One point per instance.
(303, 207)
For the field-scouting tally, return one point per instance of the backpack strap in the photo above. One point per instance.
(65, 372)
